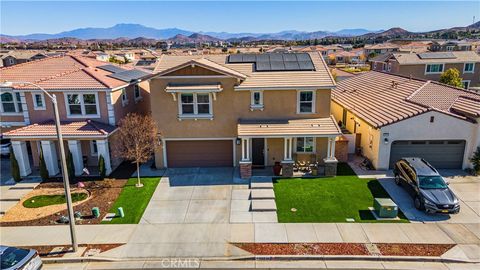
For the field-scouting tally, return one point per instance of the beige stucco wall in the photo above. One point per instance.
(418, 71)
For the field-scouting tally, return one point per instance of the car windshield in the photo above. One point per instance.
(12, 256)
(431, 182)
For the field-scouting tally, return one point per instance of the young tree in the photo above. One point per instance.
(451, 77)
(101, 167)
(14, 166)
(135, 140)
(43, 166)
(70, 166)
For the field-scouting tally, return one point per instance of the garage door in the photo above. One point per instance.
(441, 154)
(200, 153)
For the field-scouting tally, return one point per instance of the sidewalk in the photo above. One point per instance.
(12, 192)
(212, 240)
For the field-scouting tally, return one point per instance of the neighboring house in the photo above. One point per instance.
(243, 110)
(101, 56)
(431, 65)
(341, 75)
(395, 116)
(346, 57)
(21, 56)
(376, 49)
(450, 45)
(92, 98)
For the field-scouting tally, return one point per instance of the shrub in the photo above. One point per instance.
(43, 167)
(476, 160)
(70, 166)
(14, 166)
(101, 166)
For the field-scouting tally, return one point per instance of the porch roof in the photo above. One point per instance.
(174, 88)
(316, 127)
(70, 129)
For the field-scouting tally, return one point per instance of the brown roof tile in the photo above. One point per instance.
(69, 129)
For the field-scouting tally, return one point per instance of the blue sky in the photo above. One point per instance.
(19, 17)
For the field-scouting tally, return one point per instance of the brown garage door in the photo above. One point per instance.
(199, 153)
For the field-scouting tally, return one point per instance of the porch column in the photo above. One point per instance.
(245, 163)
(330, 161)
(103, 149)
(287, 162)
(50, 156)
(75, 148)
(21, 154)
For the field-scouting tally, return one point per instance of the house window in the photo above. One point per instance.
(305, 145)
(256, 100)
(11, 61)
(195, 104)
(375, 65)
(468, 67)
(466, 84)
(93, 148)
(389, 67)
(434, 68)
(11, 103)
(124, 97)
(80, 105)
(306, 102)
(136, 92)
(38, 101)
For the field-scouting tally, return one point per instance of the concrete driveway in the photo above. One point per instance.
(467, 189)
(193, 195)
(5, 174)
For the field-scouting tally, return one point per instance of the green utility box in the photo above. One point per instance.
(385, 208)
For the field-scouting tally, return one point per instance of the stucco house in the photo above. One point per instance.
(92, 96)
(246, 110)
(395, 116)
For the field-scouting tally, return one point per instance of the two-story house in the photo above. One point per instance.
(431, 65)
(246, 110)
(450, 45)
(92, 98)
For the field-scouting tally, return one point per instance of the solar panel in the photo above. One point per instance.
(437, 55)
(275, 61)
(129, 75)
(111, 68)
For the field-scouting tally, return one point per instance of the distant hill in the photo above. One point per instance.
(193, 38)
(392, 32)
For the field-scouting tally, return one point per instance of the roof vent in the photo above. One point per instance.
(394, 85)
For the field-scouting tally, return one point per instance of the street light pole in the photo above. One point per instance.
(66, 181)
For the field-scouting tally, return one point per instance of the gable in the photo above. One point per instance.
(193, 71)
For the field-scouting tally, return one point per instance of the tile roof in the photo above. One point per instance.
(320, 78)
(460, 57)
(62, 72)
(467, 105)
(289, 127)
(69, 129)
(382, 99)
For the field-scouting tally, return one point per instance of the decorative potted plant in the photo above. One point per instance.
(277, 168)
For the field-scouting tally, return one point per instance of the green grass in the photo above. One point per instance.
(328, 199)
(46, 200)
(133, 200)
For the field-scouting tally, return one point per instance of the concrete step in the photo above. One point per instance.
(262, 194)
(263, 205)
(6, 205)
(261, 185)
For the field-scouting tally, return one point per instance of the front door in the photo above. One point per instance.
(258, 152)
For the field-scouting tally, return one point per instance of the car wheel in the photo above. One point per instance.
(418, 203)
(397, 179)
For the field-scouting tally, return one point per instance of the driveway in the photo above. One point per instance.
(467, 189)
(5, 170)
(193, 195)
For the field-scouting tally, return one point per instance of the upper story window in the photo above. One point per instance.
(82, 105)
(136, 92)
(11, 103)
(38, 101)
(433, 68)
(306, 102)
(469, 68)
(195, 104)
(466, 84)
(124, 97)
(256, 100)
(305, 145)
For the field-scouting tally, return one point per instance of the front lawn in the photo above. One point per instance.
(46, 200)
(328, 199)
(133, 200)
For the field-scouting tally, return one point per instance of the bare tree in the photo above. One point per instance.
(135, 140)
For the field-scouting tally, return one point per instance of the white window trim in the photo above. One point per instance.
(426, 66)
(11, 61)
(195, 114)
(313, 101)
(124, 94)
(136, 86)
(375, 65)
(92, 151)
(314, 150)
(465, 65)
(38, 108)
(82, 106)
(16, 103)
(468, 83)
(254, 106)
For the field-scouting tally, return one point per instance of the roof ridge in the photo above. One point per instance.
(456, 88)
(416, 91)
(77, 58)
(93, 124)
(327, 68)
